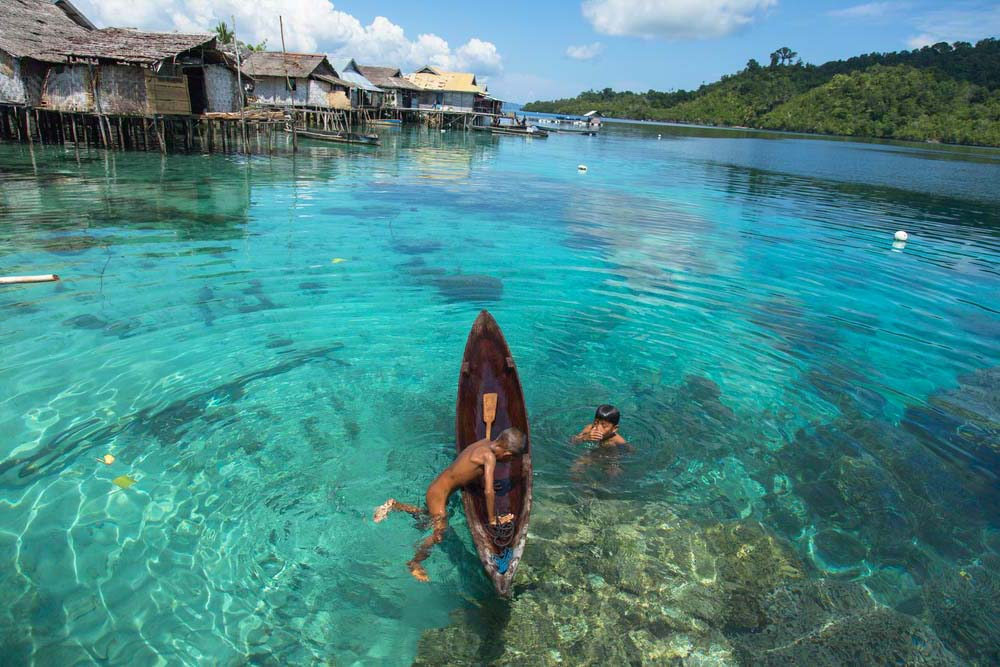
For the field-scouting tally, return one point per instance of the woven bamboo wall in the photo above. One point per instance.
(68, 88)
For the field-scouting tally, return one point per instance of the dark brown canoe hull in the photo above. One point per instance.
(488, 367)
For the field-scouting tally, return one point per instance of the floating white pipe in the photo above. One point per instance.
(15, 280)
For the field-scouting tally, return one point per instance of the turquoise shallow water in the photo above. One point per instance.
(269, 346)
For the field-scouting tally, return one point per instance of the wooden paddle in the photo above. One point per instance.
(489, 412)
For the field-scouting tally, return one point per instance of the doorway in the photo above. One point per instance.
(196, 90)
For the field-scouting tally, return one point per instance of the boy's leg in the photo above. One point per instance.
(424, 550)
(382, 511)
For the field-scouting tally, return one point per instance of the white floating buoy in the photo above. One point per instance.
(901, 236)
(581, 167)
(659, 136)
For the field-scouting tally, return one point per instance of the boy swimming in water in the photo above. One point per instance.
(475, 462)
(604, 428)
(604, 431)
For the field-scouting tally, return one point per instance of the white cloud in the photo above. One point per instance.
(923, 39)
(870, 10)
(477, 56)
(956, 25)
(310, 26)
(672, 19)
(585, 51)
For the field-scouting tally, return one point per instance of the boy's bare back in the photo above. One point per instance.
(468, 466)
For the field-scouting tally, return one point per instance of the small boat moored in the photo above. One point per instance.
(516, 130)
(339, 137)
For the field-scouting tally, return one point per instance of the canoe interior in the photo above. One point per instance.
(488, 367)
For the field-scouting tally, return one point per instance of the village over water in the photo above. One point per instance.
(63, 80)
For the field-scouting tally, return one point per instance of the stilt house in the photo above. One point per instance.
(118, 71)
(52, 58)
(28, 30)
(452, 91)
(398, 92)
(366, 95)
(297, 79)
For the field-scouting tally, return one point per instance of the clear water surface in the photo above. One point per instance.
(270, 347)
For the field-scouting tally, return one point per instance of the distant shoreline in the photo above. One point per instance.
(747, 128)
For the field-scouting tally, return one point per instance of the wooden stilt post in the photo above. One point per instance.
(100, 126)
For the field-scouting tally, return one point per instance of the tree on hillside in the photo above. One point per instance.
(784, 55)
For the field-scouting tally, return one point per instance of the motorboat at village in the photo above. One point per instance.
(567, 125)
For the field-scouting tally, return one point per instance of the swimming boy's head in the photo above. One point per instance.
(606, 419)
(509, 443)
(608, 413)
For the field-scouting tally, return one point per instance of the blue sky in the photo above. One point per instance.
(545, 49)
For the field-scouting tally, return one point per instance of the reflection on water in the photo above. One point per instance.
(267, 346)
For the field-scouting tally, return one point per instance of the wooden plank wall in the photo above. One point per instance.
(168, 95)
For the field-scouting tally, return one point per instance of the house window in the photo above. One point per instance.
(290, 84)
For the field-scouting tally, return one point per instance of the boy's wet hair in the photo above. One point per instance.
(512, 440)
(608, 413)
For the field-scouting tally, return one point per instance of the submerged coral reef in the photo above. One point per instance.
(627, 582)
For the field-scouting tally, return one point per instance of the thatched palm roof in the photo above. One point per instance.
(34, 28)
(271, 63)
(133, 46)
(56, 32)
(293, 65)
(386, 77)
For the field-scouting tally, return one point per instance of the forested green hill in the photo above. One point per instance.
(945, 92)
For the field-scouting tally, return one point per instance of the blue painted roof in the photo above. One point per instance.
(357, 79)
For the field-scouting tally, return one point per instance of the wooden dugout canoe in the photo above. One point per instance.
(488, 368)
(512, 130)
(340, 137)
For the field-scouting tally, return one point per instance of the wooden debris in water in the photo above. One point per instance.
(16, 280)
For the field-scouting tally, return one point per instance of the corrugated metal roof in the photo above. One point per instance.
(351, 73)
(334, 80)
(456, 82)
